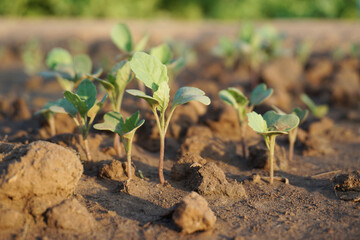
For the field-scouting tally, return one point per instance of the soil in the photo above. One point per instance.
(49, 191)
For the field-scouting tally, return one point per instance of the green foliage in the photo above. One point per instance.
(260, 94)
(116, 83)
(68, 70)
(213, 9)
(153, 74)
(317, 111)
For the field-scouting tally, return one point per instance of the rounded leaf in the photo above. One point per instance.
(280, 123)
(257, 122)
(187, 94)
(87, 93)
(150, 100)
(260, 94)
(302, 114)
(82, 64)
(163, 53)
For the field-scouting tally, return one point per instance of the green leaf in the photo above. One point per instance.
(63, 106)
(187, 94)
(95, 109)
(77, 102)
(131, 124)
(150, 100)
(280, 124)
(65, 84)
(121, 37)
(140, 46)
(278, 110)
(302, 114)
(58, 56)
(163, 53)
(87, 93)
(149, 70)
(257, 122)
(111, 120)
(162, 95)
(123, 77)
(260, 94)
(106, 84)
(317, 111)
(237, 97)
(307, 100)
(82, 65)
(226, 97)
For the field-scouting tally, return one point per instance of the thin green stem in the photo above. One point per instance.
(51, 122)
(161, 160)
(271, 156)
(292, 140)
(168, 119)
(128, 146)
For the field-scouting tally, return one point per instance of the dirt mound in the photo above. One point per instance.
(347, 186)
(115, 170)
(186, 166)
(193, 214)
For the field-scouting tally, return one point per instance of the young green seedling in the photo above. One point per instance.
(153, 74)
(115, 85)
(82, 107)
(68, 70)
(114, 122)
(302, 115)
(270, 126)
(317, 110)
(235, 98)
(32, 57)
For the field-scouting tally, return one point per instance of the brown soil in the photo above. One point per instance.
(46, 193)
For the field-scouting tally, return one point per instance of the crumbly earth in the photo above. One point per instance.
(306, 208)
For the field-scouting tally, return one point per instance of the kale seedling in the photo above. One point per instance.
(270, 126)
(68, 70)
(115, 85)
(240, 102)
(302, 115)
(318, 111)
(82, 107)
(114, 122)
(49, 116)
(153, 74)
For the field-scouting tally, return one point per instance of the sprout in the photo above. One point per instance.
(302, 115)
(153, 74)
(318, 111)
(115, 85)
(69, 71)
(235, 98)
(82, 107)
(49, 116)
(270, 126)
(114, 122)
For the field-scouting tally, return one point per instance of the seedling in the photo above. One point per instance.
(270, 126)
(302, 115)
(82, 107)
(68, 70)
(235, 98)
(32, 57)
(153, 74)
(114, 122)
(317, 110)
(115, 85)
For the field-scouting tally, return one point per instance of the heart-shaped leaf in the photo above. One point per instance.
(150, 100)
(82, 65)
(58, 56)
(163, 53)
(302, 114)
(187, 94)
(121, 37)
(257, 122)
(234, 97)
(260, 94)
(149, 70)
(279, 123)
(87, 93)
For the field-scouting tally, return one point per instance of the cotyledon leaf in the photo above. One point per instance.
(259, 94)
(77, 102)
(111, 120)
(302, 114)
(58, 56)
(150, 100)
(280, 122)
(239, 97)
(82, 64)
(163, 53)
(63, 106)
(187, 94)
